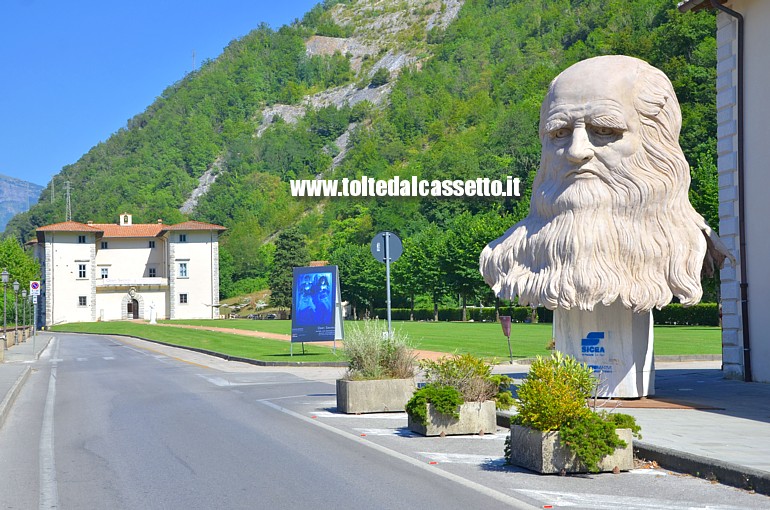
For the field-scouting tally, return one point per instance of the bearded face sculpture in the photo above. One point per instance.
(609, 217)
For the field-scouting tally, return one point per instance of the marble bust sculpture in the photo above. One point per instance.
(609, 218)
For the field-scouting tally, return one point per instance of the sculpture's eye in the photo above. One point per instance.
(561, 133)
(604, 131)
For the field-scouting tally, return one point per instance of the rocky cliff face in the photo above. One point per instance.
(16, 196)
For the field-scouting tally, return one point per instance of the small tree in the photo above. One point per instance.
(290, 252)
(380, 77)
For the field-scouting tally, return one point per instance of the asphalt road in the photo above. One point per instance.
(103, 424)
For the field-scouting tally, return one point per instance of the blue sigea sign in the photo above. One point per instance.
(591, 344)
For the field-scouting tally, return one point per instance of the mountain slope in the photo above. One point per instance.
(16, 196)
(459, 99)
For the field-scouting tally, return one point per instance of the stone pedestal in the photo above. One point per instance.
(615, 342)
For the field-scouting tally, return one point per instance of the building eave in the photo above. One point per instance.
(696, 5)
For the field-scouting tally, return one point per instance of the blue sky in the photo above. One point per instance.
(72, 73)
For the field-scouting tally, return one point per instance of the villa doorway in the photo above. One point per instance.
(133, 309)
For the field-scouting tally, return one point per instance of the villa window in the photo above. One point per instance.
(82, 301)
(81, 270)
(183, 270)
(183, 299)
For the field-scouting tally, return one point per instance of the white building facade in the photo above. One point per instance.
(743, 108)
(103, 272)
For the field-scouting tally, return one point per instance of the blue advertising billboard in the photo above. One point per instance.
(316, 308)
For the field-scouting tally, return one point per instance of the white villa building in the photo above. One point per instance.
(103, 272)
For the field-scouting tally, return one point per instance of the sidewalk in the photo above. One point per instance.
(15, 369)
(697, 422)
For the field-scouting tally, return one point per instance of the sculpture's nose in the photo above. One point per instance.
(580, 148)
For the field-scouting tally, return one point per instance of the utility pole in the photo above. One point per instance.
(69, 205)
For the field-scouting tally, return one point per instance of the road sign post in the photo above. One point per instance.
(386, 247)
(505, 321)
(34, 291)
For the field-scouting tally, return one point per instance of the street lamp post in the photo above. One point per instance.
(24, 315)
(16, 310)
(5, 276)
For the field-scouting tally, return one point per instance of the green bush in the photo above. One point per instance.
(380, 77)
(446, 400)
(703, 314)
(554, 397)
(554, 392)
(454, 380)
(486, 314)
(372, 355)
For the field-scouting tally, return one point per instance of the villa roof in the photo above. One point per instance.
(68, 226)
(113, 230)
(138, 230)
(194, 225)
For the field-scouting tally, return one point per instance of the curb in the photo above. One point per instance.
(10, 397)
(703, 467)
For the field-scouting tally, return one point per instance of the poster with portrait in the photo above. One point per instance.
(316, 306)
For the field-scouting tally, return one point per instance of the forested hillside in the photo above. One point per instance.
(463, 103)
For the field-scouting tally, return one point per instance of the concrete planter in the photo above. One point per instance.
(543, 452)
(373, 396)
(475, 417)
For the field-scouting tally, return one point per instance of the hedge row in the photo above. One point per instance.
(704, 314)
(487, 314)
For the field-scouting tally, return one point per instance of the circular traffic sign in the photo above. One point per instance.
(387, 240)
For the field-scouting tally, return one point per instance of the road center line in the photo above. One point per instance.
(49, 491)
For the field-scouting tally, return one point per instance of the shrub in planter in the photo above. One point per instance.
(554, 397)
(372, 355)
(454, 380)
(381, 369)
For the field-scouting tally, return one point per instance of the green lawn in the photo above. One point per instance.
(487, 340)
(226, 343)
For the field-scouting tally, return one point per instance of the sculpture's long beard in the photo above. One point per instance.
(584, 243)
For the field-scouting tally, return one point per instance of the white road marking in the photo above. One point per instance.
(369, 416)
(49, 491)
(463, 458)
(404, 432)
(220, 381)
(400, 432)
(499, 496)
(108, 358)
(611, 502)
(81, 359)
(654, 472)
